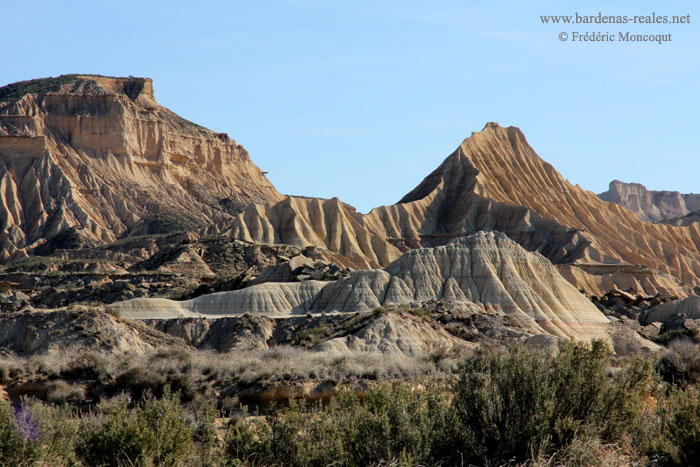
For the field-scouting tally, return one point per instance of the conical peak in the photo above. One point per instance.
(459, 170)
(494, 129)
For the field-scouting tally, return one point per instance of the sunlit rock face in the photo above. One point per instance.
(494, 181)
(650, 205)
(100, 158)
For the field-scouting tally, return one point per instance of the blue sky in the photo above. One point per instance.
(362, 99)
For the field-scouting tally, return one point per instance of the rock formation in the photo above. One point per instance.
(486, 268)
(682, 221)
(392, 334)
(32, 333)
(89, 159)
(649, 205)
(493, 181)
(685, 308)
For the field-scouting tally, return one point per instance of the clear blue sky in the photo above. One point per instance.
(362, 99)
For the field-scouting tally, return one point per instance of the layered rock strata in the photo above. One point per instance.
(650, 205)
(493, 181)
(99, 158)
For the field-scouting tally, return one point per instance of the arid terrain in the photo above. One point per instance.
(145, 257)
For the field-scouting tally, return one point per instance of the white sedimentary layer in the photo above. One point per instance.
(485, 268)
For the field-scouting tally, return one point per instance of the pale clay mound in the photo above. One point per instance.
(688, 308)
(100, 155)
(269, 299)
(493, 181)
(392, 334)
(485, 268)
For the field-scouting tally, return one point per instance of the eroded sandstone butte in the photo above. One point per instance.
(493, 181)
(650, 205)
(95, 158)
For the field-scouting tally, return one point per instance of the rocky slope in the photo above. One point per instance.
(493, 181)
(649, 205)
(682, 221)
(62, 331)
(88, 159)
(486, 270)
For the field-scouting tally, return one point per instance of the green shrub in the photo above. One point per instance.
(59, 429)
(420, 312)
(140, 382)
(681, 363)
(666, 337)
(113, 311)
(60, 392)
(389, 423)
(509, 407)
(153, 433)
(18, 435)
(247, 443)
(86, 365)
(311, 337)
(675, 435)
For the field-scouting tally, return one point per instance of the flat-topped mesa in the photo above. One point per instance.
(650, 205)
(134, 88)
(100, 157)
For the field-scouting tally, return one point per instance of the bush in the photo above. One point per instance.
(87, 365)
(389, 423)
(17, 436)
(140, 382)
(675, 431)
(151, 434)
(681, 363)
(588, 451)
(513, 406)
(60, 392)
(59, 429)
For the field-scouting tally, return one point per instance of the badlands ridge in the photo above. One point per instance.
(108, 198)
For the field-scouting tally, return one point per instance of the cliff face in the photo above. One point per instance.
(493, 181)
(649, 205)
(99, 158)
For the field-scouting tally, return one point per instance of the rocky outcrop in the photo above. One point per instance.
(598, 279)
(300, 268)
(688, 219)
(100, 158)
(649, 205)
(390, 332)
(321, 224)
(487, 269)
(39, 332)
(396, 334)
